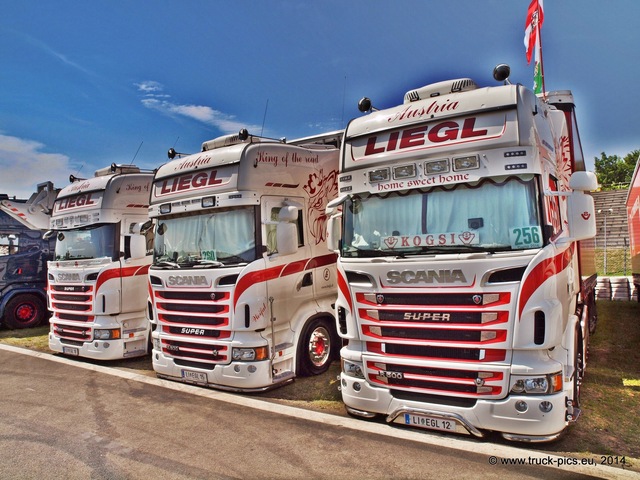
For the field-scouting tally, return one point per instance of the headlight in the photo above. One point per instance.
(352, 369)
(542, 385)
(250, 354)
(110, 334)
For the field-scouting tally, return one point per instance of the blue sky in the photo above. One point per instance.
(87, 83)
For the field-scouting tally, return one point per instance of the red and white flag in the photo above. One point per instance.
(535, 17)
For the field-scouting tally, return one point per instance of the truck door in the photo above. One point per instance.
(291, 285)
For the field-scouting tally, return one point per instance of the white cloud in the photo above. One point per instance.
(29, 166)
(149, 86)
(155, 100)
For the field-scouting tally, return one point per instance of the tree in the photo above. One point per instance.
(614, 172)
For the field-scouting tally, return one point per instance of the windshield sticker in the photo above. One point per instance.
(525, 237)
(431, 240)
(209, 255)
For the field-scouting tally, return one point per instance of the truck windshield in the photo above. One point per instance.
(94, 241)
(213, 238)
(489, 216)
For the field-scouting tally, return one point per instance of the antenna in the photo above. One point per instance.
(73, 178)
(264, 117)
(134, 157)
(344, 93)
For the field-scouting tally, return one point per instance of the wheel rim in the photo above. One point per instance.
(319, 346)
(25, 312)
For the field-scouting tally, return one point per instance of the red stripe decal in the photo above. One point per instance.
(295, 267)
(281, 271)
(342, 286)
(112, 273)
(322, 261)
(541, 272)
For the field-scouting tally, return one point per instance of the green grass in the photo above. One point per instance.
(610, 404)
(33, 338)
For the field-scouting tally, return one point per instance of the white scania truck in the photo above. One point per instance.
(242, 286)
(98, 278)
(465, 294)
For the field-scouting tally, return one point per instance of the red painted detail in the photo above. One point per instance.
(259, 276)
(322, 261)
(294, 267)
(112, 273)
(541, 273)
(344, 289)
(252, 278)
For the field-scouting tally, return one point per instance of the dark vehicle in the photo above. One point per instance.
(23, 257)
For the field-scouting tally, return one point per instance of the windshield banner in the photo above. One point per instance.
(431, 240)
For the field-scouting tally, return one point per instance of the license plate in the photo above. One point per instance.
(198, 377)
(71, 351)
(432, 423)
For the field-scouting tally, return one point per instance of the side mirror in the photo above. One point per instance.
(583, 181)
(581, 216)
(286, 231)
(140, 228)
(137, 247)
(334, 232)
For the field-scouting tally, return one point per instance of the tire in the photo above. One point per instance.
(24, 311)
(317, 347)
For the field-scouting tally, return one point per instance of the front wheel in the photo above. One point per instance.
(24, 311)
(317, 346)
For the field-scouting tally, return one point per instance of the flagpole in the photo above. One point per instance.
(539, 37)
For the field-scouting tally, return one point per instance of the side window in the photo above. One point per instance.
(553, 208)
(270, 227)
(9, 243)
(271, 230)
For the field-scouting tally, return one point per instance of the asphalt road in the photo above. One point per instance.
(65, 419)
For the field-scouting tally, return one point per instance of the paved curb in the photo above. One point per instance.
(494, 452)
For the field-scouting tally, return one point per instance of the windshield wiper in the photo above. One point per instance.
(166, 264)
(202, 263)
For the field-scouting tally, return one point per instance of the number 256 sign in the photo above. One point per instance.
(525, 237)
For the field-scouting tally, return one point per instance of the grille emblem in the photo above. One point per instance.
(477, 299)
(479, 382)
(213, 296)
(380, 298)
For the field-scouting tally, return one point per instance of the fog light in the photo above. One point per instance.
(252, 368)
(546, 407)
(236, 368)
(521, 406)
(357, 387)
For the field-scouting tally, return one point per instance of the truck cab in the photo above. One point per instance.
(98, 276)
(242, 285)
(23, 257)
(465, 290)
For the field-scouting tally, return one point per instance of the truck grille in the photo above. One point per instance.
(436, 344)
(435, 381)
(73, 305)
(191, 322)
